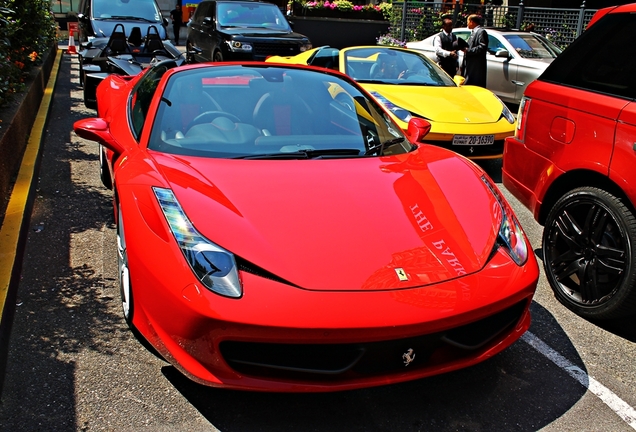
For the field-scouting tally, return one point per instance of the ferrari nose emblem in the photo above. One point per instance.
(401, 274)
(408, 357)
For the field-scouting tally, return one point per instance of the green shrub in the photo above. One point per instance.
(27, 32)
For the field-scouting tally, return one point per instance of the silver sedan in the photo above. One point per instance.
(515, 58)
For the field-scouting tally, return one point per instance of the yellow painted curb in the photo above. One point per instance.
(14, 217)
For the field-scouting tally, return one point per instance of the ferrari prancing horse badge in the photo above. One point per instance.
(402, 276)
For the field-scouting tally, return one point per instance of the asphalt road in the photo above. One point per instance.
(74, 365)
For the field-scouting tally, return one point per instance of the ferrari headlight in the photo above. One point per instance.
(214, 266)
(505, 112)
(397, 111)
(511, 236)
(238, 46)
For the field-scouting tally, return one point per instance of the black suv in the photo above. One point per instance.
(98, 18)
(241, 30)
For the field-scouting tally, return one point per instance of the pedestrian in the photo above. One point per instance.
(475, 64)
(177, 20)
(445, 44)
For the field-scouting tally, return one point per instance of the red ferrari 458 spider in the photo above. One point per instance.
(278, 232)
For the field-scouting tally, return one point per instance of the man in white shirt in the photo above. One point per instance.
(445, 44)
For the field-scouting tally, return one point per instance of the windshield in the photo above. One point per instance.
(533, 46)
(394, 66)
(270, 112)
(252, 15)
(114, 9)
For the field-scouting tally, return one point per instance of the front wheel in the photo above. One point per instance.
(588, 254)
(104, 171)
(125, 286)
(81, 71)
(217, 57)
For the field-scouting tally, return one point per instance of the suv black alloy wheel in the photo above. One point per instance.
(588, 254)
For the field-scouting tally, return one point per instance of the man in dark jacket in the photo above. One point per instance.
(177, 20)
(475, 64)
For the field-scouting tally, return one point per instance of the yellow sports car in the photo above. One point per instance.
(470, 120)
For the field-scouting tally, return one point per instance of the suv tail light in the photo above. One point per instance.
(520, 130)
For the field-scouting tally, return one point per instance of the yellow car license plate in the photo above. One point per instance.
(473, 140)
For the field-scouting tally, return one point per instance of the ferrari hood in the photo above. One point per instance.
(345, 224)
(464, 104)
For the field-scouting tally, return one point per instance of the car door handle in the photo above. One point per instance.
(519, 83)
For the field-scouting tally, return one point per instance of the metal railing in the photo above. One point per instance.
(418, 20)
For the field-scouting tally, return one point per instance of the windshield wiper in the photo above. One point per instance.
(415, 83)
(379, 148)
(304, 154)
(131, 18)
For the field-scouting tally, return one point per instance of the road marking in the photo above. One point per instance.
(619, 406)
(14, 218)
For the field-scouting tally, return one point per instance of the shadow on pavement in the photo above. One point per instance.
(61, 308)
(492, 168)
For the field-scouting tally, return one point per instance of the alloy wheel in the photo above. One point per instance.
(124, 273)
(588, 253)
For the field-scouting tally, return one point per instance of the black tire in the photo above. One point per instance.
(104, 172)
(217, 56)
(81, 71)
(89, 99)
(588, 254)
(125, 286)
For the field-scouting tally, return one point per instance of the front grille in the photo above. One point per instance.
(273, 48)
(346, 361)
(471, 151)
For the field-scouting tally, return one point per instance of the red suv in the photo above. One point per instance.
(572, 162)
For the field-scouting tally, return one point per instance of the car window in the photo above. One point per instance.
(533, 47)
(117, 9)
(273, 112)
(394, 66)
(494, 44)
(141, 96)
(252, 15)
(597, 60)
(325, 57)
(463, 34)
(205, 9)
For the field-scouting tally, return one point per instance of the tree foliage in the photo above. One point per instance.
(27, 32)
